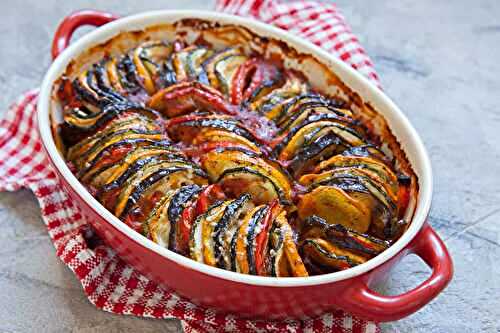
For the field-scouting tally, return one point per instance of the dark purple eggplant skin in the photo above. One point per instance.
(310, 152)
(72, 134)
(129, 76)
(100, 72)
(279, 191)
(166, 75)
(135, 167)
(120, 132)
(280, 241)
(229, 125)
(255, 220)
(176, 206)
(333, 233)
(106, 95)
(110, 148)
(325, 253)
(364, 151)
(352, 179)
(253, 154)
(316, 101)
(148, 182)
(221, 226)
(129, 172)
(233, 252)
(346, 183)
(309, 120)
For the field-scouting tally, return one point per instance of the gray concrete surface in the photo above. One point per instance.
(438, 60)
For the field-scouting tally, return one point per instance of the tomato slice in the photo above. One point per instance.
(185, 223)
(114, 156)
(249, 76)
(240, 80)
(208, 196)
(263, 236)
(186, 97)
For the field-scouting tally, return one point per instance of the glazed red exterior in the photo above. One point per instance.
(352, 294)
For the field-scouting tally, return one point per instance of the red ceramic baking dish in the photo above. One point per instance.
(249, 295)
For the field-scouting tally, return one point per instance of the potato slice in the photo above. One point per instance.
(336, 207)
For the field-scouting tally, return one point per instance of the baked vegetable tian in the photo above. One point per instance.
(230, 158)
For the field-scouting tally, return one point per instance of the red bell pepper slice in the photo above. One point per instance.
(186, 96)
(263, 236)
(206, 198)
(249, 77)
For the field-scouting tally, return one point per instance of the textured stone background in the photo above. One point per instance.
(438, 60)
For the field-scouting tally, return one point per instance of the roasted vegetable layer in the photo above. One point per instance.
(231, 159)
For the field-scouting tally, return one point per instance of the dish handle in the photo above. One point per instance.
(72, 22)
(370, 304)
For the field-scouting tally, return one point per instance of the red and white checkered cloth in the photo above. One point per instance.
(111, 284)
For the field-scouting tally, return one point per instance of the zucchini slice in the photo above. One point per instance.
(335, 206)
(187, 63)
(129, 77)
(149, 58)
(80, 123)
(226, 228)
(214, 73)
(208, 230)
(225, 70)
(367, 150)
(375, 168)
(218, 161)
(329, 256)
(160, 176)
(271, 105)
(304, 135)
(277, 261)
(239, 180)
(119, 138)
(179, 63)
(196, 239)
(195, 61)
(309, 155)
(379, 190)
(158, 226)
(138, 158)
(182, 198)
(186, 129)
(95, 174)
(269, 78)
(133, 122)
(214, 135)
(304, 103)
(243, 243)
(111, 68)
(318, 113)
(294, 265)
(92, 88)
(362, 244)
